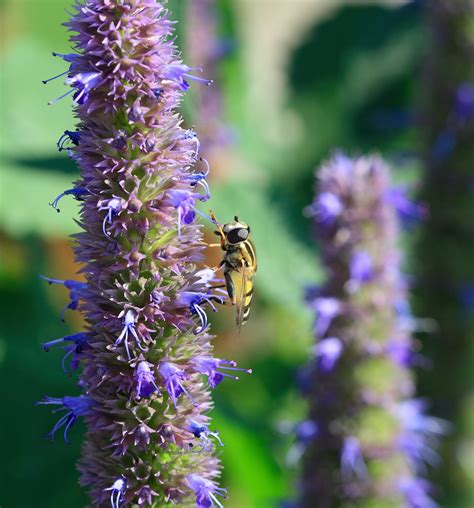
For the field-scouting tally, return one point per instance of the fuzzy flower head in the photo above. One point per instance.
(146, 296)
(359, 378)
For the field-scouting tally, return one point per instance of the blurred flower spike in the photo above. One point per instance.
(145, 297)
(372, 441)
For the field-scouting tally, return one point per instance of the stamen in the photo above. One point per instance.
(44, 81)
(76, 192)
(202, 214)
(73, 136)
(199, 80)
(50, 103)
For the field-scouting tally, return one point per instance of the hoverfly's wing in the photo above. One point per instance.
(243, 291)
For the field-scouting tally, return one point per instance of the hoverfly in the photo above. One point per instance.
(240, 264)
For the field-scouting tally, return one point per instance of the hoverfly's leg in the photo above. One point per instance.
(230, 287)
(219, 266)
(219, 231)
(214, 245)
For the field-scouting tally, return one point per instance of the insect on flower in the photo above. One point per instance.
(239, 262)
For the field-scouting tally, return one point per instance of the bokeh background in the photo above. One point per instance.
(294, 79)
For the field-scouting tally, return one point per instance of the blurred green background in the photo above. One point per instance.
(298, 79)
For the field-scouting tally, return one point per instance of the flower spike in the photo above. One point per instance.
(146, 294)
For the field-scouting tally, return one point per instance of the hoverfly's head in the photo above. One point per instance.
(236, 231)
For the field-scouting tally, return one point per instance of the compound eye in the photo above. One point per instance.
(226, 228)
(238, 235)
(243, 233)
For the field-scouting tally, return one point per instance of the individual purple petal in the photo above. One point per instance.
(326, 310)
(117, 491)
(78, 193)
(206, 437)
(326, 209)
(74, 407)
(415, 492)
(464, 103)
(361, 269)
(145, 380)
(173, 378)
(306, 431)
(352, 460)
(78, 342)
(206, 491)
(327, 353)
(76, 291)
(213, 367)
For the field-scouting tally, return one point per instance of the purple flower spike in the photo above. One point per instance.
(328, 352)
(140, 248)
(359, 378)
(210, 367)
(117, 491)
(206, 491)
(75, 407)
(145, 380)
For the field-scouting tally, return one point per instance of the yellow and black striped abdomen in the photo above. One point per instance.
(242, 279)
